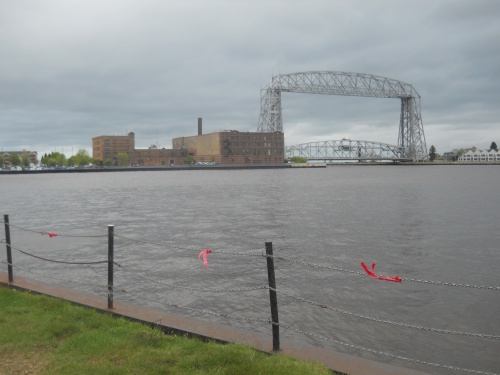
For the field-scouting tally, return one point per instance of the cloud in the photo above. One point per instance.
(70, 71)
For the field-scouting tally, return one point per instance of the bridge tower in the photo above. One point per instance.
(411, 132)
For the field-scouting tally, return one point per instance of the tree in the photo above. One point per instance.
(71, 161)
(432, 153)
(2, 161)
(14, 159)
(189, 159)
(493, 146)
(82, 157)
(108, 162)
(53, 159)
(298, 159)
(51, 162)
(25, 160)
(122, 158)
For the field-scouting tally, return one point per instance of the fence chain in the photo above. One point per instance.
(313, 264)
(452, 284)
(227, 316)
(153, 243)
(237, 253)
(403, 278)
(190, 288)
(460, 285)
(395, 356)
(57, 261)
(58, 235)
(185, 248)
(50, 276)
(204, 312)
(404, 325)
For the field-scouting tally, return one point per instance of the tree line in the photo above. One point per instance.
(82, 158)
(55, 159)
(58, 159)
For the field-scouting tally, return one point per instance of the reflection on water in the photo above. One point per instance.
(426, 223)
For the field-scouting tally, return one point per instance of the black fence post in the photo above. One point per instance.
(9, 251)
(111, 232)
(272, 296)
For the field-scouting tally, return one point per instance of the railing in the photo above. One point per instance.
(128, 271)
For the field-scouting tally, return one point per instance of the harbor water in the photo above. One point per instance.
(436, 224)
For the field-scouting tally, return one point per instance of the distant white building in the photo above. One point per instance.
(32, 156)
(480, 156)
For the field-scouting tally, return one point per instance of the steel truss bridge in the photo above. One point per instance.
(411, 139)
(347, 149)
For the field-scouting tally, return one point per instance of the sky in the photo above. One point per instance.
(74, 70)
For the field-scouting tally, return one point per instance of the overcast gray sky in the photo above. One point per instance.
(73, 70)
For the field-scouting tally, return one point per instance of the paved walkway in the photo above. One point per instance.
(343, 363)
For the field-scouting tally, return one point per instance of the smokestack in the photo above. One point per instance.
(200, 130)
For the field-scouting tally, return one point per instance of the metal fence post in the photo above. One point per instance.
(272, 296)
(111, 233)
(9, 251)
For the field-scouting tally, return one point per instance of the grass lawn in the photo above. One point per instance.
(43, 335)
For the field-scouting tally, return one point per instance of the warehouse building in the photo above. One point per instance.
(108, 147)
(221, 147)
(233, 147)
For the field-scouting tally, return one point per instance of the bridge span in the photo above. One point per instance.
(411, 139)
(348, 149)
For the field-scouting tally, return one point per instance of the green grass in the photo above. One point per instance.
(43, 335)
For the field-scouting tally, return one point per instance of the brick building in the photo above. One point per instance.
(109, 146)
(234, 147)
(158, 156)
(223, 147)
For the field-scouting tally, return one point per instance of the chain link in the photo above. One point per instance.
(154, 243)
(204, 312)
(58, 235)
(186, 248)
(452, 284)
(312, 264)
(50, 276)
(237, 253)
(57, 261)
(459, 285)
(395, 356)
(190, 288)
(364, 274)
(404, 325)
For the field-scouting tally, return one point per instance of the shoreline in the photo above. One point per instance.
(169, 168)
(410, 163)
(242, 167)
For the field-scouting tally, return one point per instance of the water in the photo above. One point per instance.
(436, 223)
